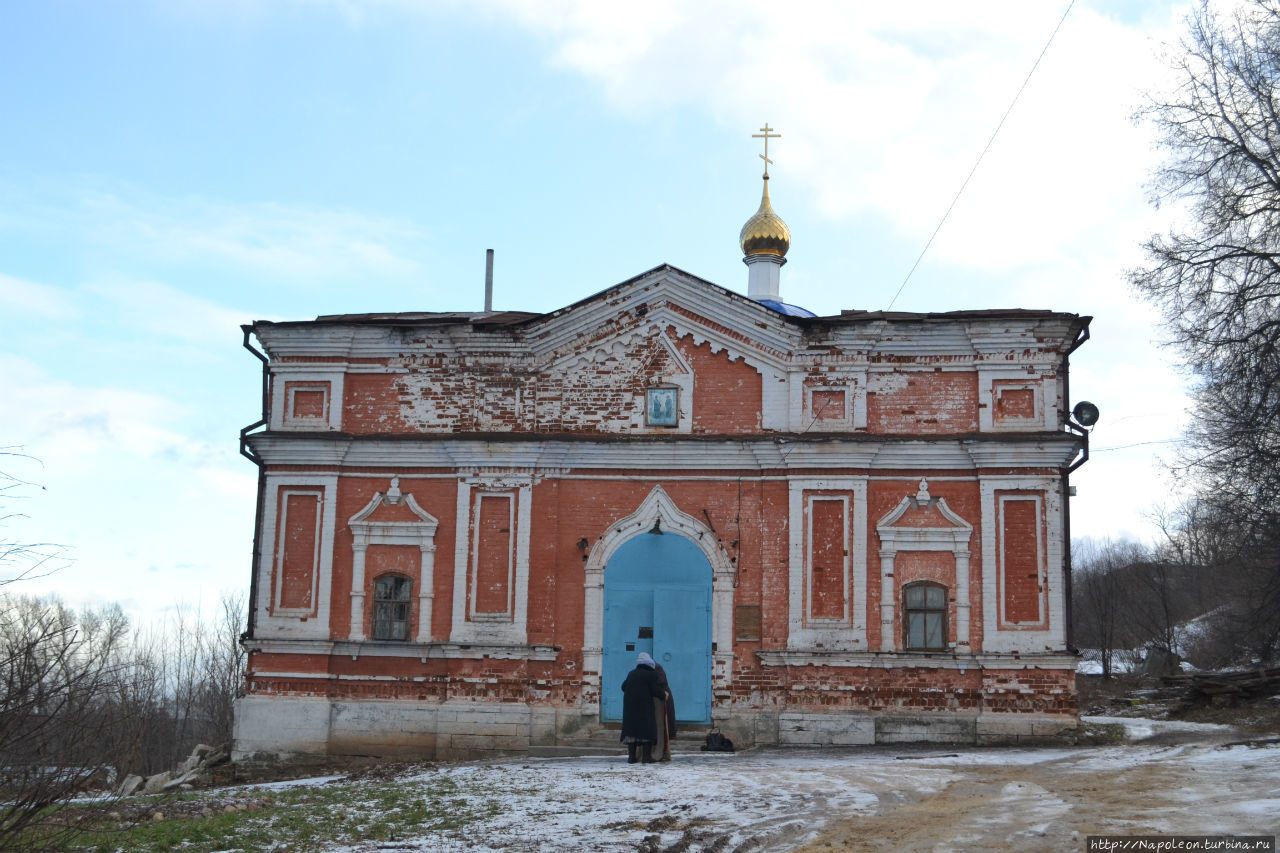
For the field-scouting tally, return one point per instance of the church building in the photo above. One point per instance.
(845, 529)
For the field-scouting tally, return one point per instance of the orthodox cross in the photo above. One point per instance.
(766, 135)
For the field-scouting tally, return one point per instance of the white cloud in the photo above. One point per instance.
(135, 502)
(166, 312)
(884, 110)
(27, 299)
(291, 241)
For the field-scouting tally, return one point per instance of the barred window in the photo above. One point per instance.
(391, 607)
(925, 616)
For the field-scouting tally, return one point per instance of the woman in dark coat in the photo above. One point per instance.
(639, 726)
(667, 731)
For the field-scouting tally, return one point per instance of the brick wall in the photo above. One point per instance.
(916, 402)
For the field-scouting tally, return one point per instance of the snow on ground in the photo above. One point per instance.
(1141, 728)
(870, 798)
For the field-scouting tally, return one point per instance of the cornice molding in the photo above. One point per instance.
(784, 452)
(913, 660)
(386, 649)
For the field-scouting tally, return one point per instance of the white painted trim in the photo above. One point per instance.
(956, 454)
(1053, 637)
(304, 624)
(620, 478)
(420, 533)
(972, 340)
(392, 649)
(513, 629)
(853, 382)
(1038, 378)
(658, 506)
(1041, 570)
(915, 660)
(291, 403)
(310, 374)
(458, 629)
(955, 539)
(277, 567)
(849, 633)
(477, 501)
(809, 500)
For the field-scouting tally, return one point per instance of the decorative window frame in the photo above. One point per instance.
(955, 539)
(849, 633)
(420, 533)
(283, 376)
(658, 507)
(1046, 400)
(854, 386)
(301, 623)
(515, 629)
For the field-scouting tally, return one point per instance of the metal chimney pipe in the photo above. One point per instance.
(488, 280)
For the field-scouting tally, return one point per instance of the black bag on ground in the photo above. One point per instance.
(717, 742)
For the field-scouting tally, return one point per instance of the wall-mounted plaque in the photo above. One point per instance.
(661, 407)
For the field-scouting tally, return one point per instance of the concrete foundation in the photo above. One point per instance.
(306, 729)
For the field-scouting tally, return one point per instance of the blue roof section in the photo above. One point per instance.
(785, 308)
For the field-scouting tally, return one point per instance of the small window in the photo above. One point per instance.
(391, 608)
(925, 616)
(662, 407)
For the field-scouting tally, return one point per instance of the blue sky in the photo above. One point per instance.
(173, 168)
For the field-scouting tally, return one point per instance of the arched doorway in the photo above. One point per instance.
(657, 599)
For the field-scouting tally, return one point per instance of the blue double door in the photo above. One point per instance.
(657, 599)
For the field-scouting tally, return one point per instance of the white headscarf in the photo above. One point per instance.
(645, 660)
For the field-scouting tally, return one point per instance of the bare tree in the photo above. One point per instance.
(21, 560)
(1217, 279)
(224, 674)
(1231, 563)
(83, 696)
(58, 682)
(1104, 597)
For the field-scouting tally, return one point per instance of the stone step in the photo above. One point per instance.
(683, 733)
(613, 747)
(689, 738)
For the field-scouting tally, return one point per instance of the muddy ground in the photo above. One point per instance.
(1192, 786)
(1178, 778)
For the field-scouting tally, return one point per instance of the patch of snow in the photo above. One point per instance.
(1261, 808)
(776, 799)
(1141, 728)
(289, 783)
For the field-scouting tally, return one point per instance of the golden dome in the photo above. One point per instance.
(765, 233)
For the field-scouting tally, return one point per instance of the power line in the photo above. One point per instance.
(983, 154)
(1135, 444)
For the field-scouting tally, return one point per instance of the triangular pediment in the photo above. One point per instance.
(673, 301)
(924, 520)
(644, 344)
(912, 514)
(393, 509)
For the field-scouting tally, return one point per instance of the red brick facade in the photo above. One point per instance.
(821, 466)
